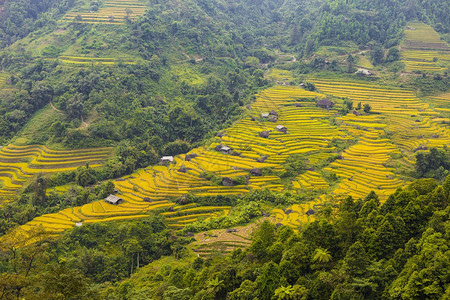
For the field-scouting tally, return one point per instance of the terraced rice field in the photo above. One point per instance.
(112, 12)
(441, 102)
(421, 45)
(85, 60)
(20, 163)
(223, 241)
(310, 180)
(411, 122)
(296, 215)
(310, 131)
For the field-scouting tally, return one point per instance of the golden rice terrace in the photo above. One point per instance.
(251, 155)
(20, 163)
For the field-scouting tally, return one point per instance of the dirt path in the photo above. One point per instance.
(54, 108)
(83, 125)
(93, 115)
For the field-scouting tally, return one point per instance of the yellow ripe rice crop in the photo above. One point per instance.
(14, 171)
(360, 168)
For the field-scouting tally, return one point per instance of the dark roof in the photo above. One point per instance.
(262, 159)
(310, 212)
(256, 172)
(227, 181)
(190, 156)
(325, 103)
(264, 134)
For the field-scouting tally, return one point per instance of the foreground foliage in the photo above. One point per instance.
(368, 251)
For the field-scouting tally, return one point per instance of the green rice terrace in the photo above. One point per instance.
(423, 49)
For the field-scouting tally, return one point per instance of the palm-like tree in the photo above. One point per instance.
(215, 284)
(284, 292)
(322, 256)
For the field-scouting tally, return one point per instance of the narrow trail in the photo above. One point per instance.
(84, 125)
(54, 108)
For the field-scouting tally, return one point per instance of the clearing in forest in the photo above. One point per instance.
(424, 50)
(111, 12)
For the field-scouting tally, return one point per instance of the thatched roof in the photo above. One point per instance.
(264, 134)
(256, 172)
(310, 212)
(227, 181)
(190, 156)
(262, 159)
(325, 103)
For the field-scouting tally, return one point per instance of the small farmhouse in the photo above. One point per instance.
(264, 134)
(264, 115)
(225, 150)
(325, 103)
(227, 181)
(281, 128)
(167, 159)
(363, 72)
(112, 199)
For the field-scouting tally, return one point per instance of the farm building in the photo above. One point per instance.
(112, 199)
(188, 157)
(281, 128)
(325, 103)
(256, 172)
(227, 181)
(264, 134)
(363, 72)
(225, 150)
(264, 115)
(310, 212)
(167, 159)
